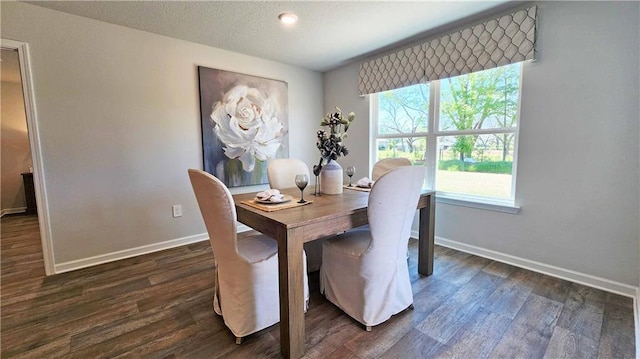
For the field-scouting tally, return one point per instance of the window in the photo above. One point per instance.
(463, 129)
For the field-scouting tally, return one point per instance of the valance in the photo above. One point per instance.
(395, 70)
(505, 40)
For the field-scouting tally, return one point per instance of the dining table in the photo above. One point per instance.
(324, 216)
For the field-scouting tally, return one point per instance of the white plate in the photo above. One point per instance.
(286, 198)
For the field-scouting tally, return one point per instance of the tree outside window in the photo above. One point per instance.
(474, 123)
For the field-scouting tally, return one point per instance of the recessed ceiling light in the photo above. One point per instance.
(288, 18)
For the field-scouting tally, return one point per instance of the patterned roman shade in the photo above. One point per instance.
(505, 40)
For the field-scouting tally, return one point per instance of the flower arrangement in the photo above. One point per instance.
(247, 125)
(330, 144)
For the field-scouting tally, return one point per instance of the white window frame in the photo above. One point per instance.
(433, 133)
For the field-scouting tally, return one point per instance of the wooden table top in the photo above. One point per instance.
(323, 208)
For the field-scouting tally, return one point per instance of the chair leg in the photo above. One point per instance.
(238, 340)
(367, 328)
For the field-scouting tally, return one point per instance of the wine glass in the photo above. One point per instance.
(351, 170)
(302, 181)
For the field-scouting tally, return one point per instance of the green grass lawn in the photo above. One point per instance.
(490, 177)
(474, 183)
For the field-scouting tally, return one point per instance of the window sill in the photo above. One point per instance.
(479, 203)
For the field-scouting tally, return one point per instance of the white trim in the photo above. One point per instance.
(128, 253)
(483, 131)
(137, 251)
(373, 131)
(505, 207)
(562, 273)
(636, 313)
(432, 141)
(36, 152)
(433, 136)
(12, 211)
(516, 137)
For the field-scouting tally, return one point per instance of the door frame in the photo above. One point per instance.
(36, 151)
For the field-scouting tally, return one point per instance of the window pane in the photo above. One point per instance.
(479, 165)
(480, 100)
(403, 110)
(412, 148)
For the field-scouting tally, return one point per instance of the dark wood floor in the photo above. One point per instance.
(160, 306)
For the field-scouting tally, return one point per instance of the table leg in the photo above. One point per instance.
(426, 236)
(290, 271)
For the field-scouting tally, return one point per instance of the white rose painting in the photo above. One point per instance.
(244, 124)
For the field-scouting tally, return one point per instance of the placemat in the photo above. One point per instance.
(356, 188)
(274, 207)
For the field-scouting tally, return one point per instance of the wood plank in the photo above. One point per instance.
(154, 332)
(160, 306)
(552, 288)
(583, 311)
(456, 312)
(478, 338)
(565, 344)
(499, 269)
(512, 293)
(464, 270)
(330, 336)
(343, 353)
(617, 340)
(382, 337)
(530, 332)
(54, 348)
(620, 300)
(414, 344)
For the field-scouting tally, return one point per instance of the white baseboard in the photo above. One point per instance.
(128, 253)
(562, 273)
(132, 252)
(12, 210)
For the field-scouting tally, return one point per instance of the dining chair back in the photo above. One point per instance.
(281, 172)
(386, 164)
(246, 276)
(364, 271)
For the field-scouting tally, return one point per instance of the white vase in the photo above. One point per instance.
(331, 178)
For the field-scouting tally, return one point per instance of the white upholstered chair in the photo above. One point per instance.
(282, 172)
(246, 293)
(386, 164)
(364, 271)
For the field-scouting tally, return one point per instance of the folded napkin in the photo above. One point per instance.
(364, 182)
(271, 195)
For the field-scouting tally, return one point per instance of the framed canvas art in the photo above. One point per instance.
(244, 124)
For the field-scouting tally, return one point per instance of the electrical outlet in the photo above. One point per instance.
(177, 210)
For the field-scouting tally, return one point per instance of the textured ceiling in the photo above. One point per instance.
(327, 35)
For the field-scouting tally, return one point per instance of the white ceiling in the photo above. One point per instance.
(327, 35)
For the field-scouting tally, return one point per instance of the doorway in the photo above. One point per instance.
(17, 167)
(24, 159)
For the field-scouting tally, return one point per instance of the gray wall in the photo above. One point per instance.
(578, 174)
(118, 112)
(119, 121)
